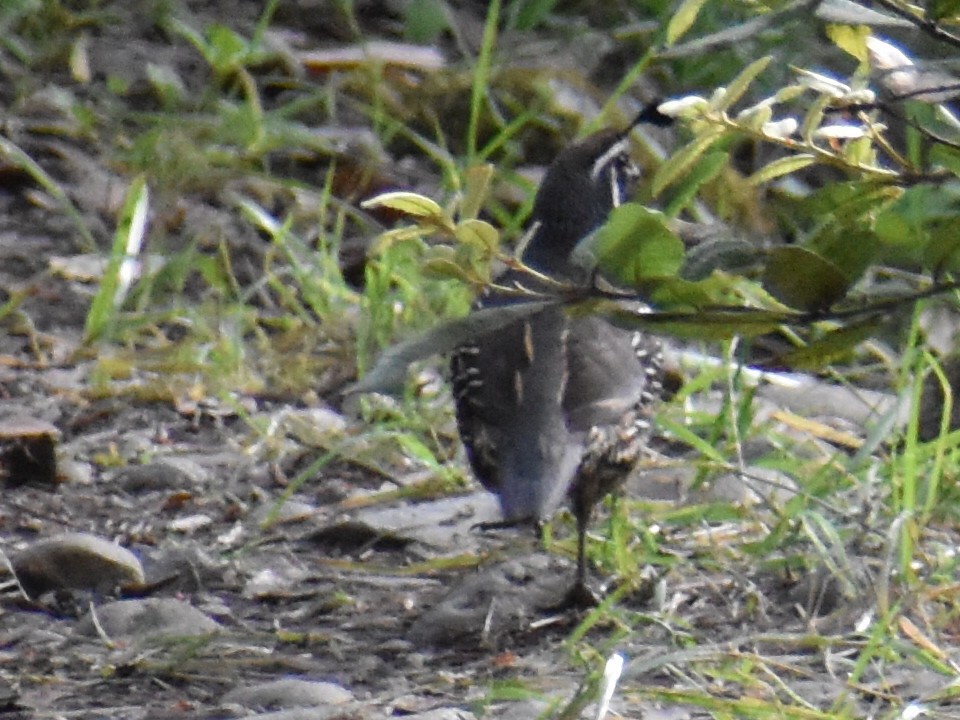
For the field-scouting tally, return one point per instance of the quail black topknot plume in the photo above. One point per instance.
(555, 406)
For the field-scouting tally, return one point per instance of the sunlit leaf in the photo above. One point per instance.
(122, 266)
(683, 20)
(409, 203)
(813, 117)
(679, 293)
(802, 279)
(860, 152)
(681, 161)
(851, 39)
(80, 59)
(478, 233)
(780, 167)
(894, 229)
(708, 324)
(226, 49)
(741, 83)
(476, 187)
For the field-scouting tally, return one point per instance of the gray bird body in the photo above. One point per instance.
(513, 421)
(556, 406)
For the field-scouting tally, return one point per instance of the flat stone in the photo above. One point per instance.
(287, 693)
(149, 618)
(76, 561)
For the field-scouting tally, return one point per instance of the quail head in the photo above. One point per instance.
(555, 406)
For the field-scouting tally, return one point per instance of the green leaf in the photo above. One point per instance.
(424, 20)
(682, 160)
(707, 325)
(860, 151)
(832, 347)
(946, 155)
(226, 49)
(801, 279)
(636, 244)
(117, 277)
(684, 434)
(780, 167)
(740, 84)
(683, 19)
(895, 230)
(847, 201)
(942, 252)
(409, 203)
(445, 268)
(680, 293)
(850, 39)
(906, 222)
(706, 170)
(851, 247)
(813, 117)
(479, 234)
(476, 187)
(396, 235)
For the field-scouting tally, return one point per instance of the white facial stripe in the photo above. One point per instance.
(615, 190)
(618, 148)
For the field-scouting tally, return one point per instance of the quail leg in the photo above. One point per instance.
(580, 595)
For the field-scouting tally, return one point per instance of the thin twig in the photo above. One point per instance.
(930, 27)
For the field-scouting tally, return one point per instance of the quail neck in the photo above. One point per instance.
(585, 182)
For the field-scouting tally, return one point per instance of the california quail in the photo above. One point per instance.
(554, 406)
